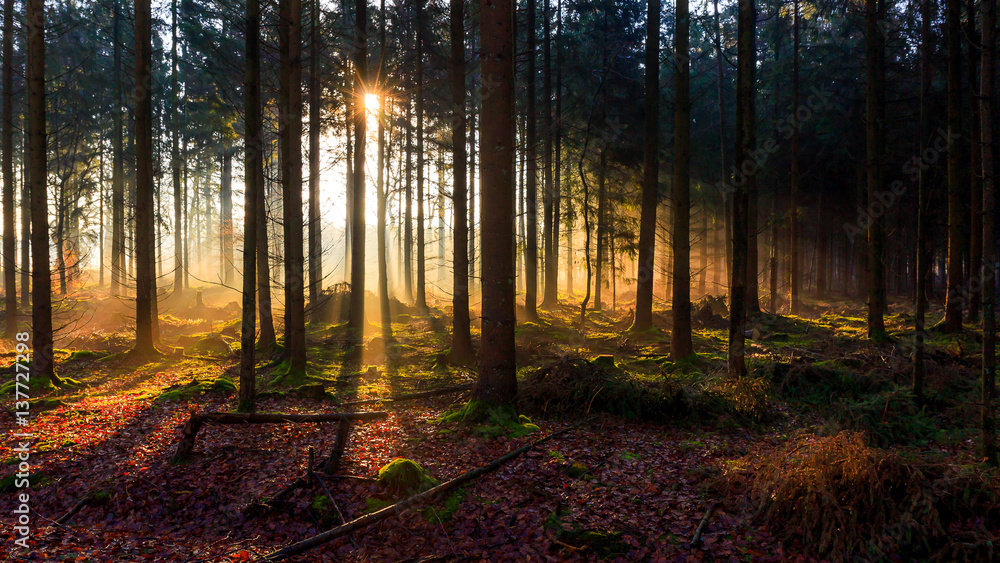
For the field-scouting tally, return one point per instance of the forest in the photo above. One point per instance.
(505, 280)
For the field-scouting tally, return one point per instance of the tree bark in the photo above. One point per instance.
(117, 168)
(989, 235)
(461, 338)
(975, 258)
(356, 320)
(497, 382)
(290, 130)
(421, 300)
(956, 189)
(875, 134)
(315, 214)
(650, 172)
(680, 339)
(9, 261)
(923, 246)
(746, 140)
(531, 173)
(226, 215)
(550, 237)
(175, 157)
(254, 179)
(145, 286)
(383, 264)
(794, 268)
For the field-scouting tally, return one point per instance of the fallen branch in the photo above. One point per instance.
(194, 424)
(696, 538)
(411, 396)
(389, 511)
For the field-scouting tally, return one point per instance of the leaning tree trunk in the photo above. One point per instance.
(291, 182)
(254, 178)
(497, 381)
(145, 282)
(956, 188)
(746, 139)
(9, 263)
(680, 339)
(650, 173)
(461, 338)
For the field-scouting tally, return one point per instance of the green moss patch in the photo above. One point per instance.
(405, 477)
(491, 421)
(196, 388)
(440, 515)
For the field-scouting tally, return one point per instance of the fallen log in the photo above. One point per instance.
(411, 396)
(378, 516)
(194, 424)
(696, 538)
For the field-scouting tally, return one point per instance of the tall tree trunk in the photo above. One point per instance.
(746, 140)
(602, 228)
(723, 163)
(145, 283)
(291, 181)
(472, 197)
(875, 154)
(175, 157)
(650, 172)
(461, 338)
(497, 381)
(9, 261)
(226, 213)
(408, 213)
(315, 214)
(383, 263)
(680, 339)
(356, 320)
(421, 301)
(923, 236)
(254, 178)
(117, 168)
(43, 365)
(975, 262)
(531, 187)
(956, 189)
(349, 157)
(550, 237)
(989, 8)
(794, 267)
(557, 188)
(26, 218)
(267, 338)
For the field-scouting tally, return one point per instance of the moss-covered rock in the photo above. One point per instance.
(404, 477)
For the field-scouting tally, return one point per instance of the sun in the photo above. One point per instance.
(371, 102)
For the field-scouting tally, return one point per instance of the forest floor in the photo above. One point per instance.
(671, 442)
